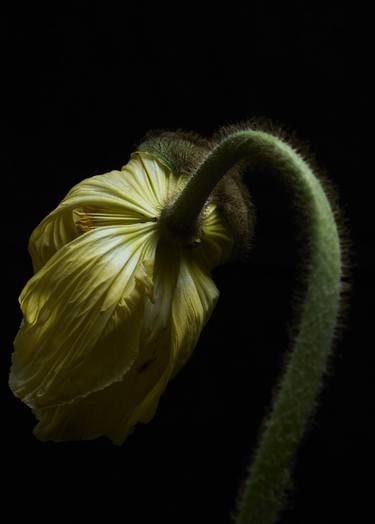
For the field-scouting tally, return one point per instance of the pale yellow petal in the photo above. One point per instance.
(196, 294)
(133, 195)
(115, 410)
(194, 300)
(150, 179)
(82, 316)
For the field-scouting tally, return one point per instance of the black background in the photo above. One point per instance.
(83, 83)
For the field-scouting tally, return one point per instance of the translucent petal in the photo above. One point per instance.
(133, 195)
(194, 300)
(196, 294)
(150, 179)
(82, 315)
(183, 299)
(116, 409)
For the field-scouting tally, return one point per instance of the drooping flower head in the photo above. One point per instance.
(116, 304)
(122, 290)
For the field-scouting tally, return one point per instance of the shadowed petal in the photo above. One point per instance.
(114, 411)
(82, 315)
(194, 300)
(216, 242)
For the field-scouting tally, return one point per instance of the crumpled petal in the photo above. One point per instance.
(114, 411)
(183, 299)
(82, 315)
(135, 194)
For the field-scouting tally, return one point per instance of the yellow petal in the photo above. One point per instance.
(196, 294)
(115, 410)
(194, 300)
(133, 195)
(112, 411)
(82, 316)
(216, 243)
(150, 179)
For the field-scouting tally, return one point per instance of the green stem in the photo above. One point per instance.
(269, 475)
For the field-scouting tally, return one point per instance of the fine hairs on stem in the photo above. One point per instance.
(269, 475)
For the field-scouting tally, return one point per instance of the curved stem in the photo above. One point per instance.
(269, 474)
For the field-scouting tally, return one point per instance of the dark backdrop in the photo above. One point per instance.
(83, 83)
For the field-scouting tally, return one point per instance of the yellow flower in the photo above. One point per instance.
(116, 305)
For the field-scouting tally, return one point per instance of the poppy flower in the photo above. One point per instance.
(116, 304)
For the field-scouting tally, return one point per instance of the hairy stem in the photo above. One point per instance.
(269, 474)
